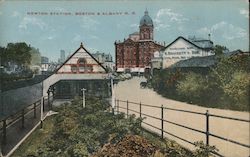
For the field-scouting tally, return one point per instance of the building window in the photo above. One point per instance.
(83, 66)
(82, 61)
(73, 68)
(195, 52)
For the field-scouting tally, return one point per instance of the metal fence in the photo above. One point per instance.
(163, 119)
(20, 114)
(15, 100)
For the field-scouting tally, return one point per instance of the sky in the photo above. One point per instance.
(226, 20)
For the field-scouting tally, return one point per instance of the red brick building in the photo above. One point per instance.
(135, 52)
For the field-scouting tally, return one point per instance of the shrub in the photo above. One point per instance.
(193, 87)
(238, 90)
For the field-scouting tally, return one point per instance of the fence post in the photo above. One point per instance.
(34, 110)
(43, 105)
(117, 106)
(162, 122)
(4, 131)
(207, 128)
(48, 101)
(127, 108)
(140, 109)
(22, 118)
(112, 108)
(140, 114)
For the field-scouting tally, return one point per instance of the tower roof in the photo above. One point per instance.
(146, 19)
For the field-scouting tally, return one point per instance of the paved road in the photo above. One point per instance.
(239, 131)
(15, 132)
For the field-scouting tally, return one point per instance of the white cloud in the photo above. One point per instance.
(26, 21)
(89, 23)
(244, 12)
(16, 14)
(162, 26)
(225, 30)
(135, 25)
(166, 16)
(76, 38)
(92, 50)
(51, 37)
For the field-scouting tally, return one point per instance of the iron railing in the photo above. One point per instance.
(20, 115)
(206, 132)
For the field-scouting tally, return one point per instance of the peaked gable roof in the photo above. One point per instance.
(81, 46)
(180, 37)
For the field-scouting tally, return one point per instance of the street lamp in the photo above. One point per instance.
(83, 97)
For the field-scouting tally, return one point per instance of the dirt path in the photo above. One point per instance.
(238, 131)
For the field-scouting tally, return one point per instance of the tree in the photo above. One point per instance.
(18, 53)
(35, 56)
(193, 87)
(226, 67)
(238, 89)
(2, 55)
(219, 50)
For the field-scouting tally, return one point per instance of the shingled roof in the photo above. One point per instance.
(206, 61)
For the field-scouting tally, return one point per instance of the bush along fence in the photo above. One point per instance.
(21, 116)
(206, 132)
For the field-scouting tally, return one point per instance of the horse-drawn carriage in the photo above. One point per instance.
(143, 84)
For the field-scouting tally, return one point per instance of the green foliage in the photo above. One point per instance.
(219, 50)
(202, 150)
(193, 87)
(226, 66)
(165, 81)
(225, 86)
(238, 90)
(18, 53)
(78, 150)
(35, 57)
(81, 132)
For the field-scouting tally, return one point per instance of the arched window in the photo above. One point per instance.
(81, 61)
(81, 64)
